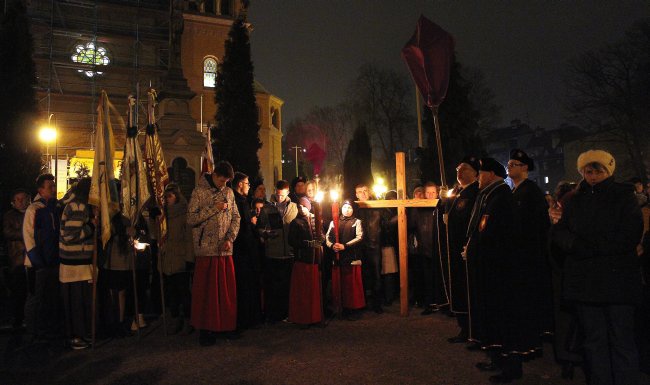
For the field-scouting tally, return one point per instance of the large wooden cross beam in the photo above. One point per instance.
(401, 204)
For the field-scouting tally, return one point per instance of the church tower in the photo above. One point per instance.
(206, 27)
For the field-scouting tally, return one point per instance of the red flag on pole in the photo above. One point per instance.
(428, 54)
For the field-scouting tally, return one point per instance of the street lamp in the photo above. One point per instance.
(48, 134)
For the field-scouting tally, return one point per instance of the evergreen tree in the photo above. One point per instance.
(19, 151)
(357, 163)
(459, 130)
(236, 135)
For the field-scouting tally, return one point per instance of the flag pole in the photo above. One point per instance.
(418, 107)
(94, 275)
(162, 284)
(337, 291)
(133, 125)
(436, 125)
(158, 188)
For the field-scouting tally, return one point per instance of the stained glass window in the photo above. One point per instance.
(209, 72)
(92, 55)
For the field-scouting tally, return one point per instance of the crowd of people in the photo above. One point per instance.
(511, 264)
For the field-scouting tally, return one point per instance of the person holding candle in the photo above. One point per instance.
(215, 220)
(347, 246)
(305, 296)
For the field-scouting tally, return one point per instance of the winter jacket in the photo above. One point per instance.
(371, 220)
(12, 230)
(301, 235)
(177, 249)
(350, 235)
(41, 232)
(273, 228)
(212, 227)
(428, 227)
(600, 228)
(76, 243)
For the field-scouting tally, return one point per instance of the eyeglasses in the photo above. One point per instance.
(513, 164)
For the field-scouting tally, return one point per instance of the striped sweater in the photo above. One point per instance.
(76, 241)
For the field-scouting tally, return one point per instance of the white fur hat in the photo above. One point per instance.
(598, 156)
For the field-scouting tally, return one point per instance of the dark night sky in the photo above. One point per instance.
(306, 52)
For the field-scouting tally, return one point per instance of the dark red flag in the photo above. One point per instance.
(316, 156)
(428, 54)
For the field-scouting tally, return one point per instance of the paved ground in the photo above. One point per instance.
(378, 349)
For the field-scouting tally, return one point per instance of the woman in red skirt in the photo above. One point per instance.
(305, 307)
(349, 256)
(214, 218)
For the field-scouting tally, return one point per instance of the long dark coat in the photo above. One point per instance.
(429, 229)
(489, 253)
(459, 210)
(247, 268)
(600, 228)
(534, 299)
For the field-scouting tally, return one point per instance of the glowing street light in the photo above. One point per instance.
(48, 134)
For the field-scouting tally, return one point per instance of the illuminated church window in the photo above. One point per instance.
(209, 72)
(92, 55)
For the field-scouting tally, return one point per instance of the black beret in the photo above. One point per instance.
(522, 157)
(472, 161)
(491, 164)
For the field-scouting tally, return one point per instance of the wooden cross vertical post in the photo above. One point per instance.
(401, 204)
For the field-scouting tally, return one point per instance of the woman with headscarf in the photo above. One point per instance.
(305, 295)
(598, 232)
(350, 235)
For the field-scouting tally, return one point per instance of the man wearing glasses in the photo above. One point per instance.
(531, 223)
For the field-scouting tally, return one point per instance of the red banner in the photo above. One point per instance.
(429, 54)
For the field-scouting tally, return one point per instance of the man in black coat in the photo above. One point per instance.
(245, 258)
(430, 267)
(492, 279)
(531, 246)
(371, 220)
(459, 208)
(599, 230)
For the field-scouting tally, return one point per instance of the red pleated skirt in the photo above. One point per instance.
(214, 294)
(305, 295)
(352, 287)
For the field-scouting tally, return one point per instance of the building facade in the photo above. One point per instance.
(83, 47)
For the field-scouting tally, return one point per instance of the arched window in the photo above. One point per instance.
(275, 118)
(92, 55)
(209, 72)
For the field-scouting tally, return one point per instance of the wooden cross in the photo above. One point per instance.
(401, 203)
